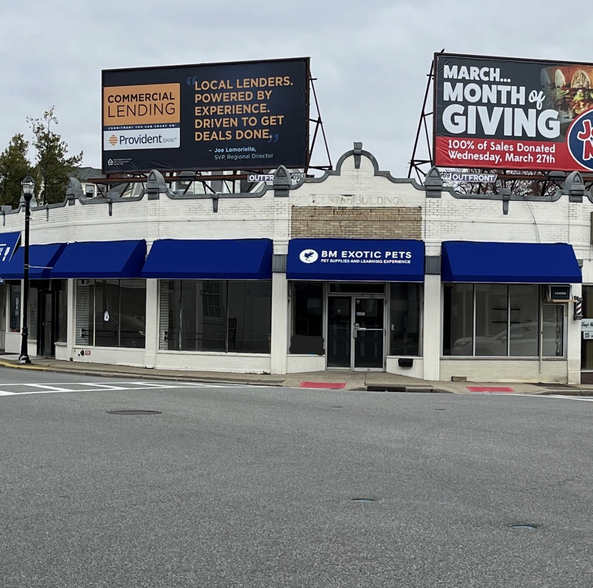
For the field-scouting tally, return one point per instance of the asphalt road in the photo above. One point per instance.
(252, 487)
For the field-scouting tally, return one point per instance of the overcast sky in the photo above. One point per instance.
(370, 59)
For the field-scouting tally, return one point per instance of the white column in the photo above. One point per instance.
(279, 338)
(152, 323)
(431, 349)
(71, 319)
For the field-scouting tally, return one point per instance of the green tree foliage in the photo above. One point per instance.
(14, 166)
(54, 167)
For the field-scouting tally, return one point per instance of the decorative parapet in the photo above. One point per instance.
(574, 186)
(433, 184)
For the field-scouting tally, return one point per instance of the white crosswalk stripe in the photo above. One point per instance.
(27, 389)
(581, 398)
(48, 388)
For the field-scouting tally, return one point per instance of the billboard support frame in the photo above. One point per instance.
(318, 125)
(418, 164)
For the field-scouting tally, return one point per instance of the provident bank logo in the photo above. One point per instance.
(580, 139)
(162, 138)
(309, 256)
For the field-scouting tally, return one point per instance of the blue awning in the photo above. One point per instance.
(223, 259)
(8, 244)
(101, 259)
(41, 261)
(523, 263)
(381, 260)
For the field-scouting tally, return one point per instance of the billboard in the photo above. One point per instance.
(500, 113)
(225, 116)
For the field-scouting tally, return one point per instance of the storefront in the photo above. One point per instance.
(356, 301)
(508, 301)
(48, 298)
(215, 295)
(354, 270)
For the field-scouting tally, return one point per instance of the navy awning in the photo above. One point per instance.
(381, 260)
(8, 244)
(41, 261)
(216, 259)
(101, 259)
(523, 263)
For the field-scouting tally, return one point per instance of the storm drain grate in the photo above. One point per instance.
(134, 412)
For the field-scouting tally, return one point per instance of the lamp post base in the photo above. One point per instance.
(24, 359)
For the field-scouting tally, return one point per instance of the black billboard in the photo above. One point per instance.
(503, 113)
(225, 116)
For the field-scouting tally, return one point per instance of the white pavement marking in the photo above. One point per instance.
(99, 386)
(96, 387)
(48, 388)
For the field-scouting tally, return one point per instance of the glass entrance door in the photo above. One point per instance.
(355, 332)
(45, 337)
(368, 333)
(339, 331)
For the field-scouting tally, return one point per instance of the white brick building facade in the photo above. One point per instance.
(356, 201)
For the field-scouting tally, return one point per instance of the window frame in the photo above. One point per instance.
(510, 324)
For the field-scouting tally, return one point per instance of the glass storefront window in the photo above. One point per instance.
(250, 317)
(111, 313)
(214, 315)
(553, 329)
(404, 321)
(107, 316)
(62, 309)
(356, 288)
(307, 318)
(458, 325)
(498, 320)
(15, 308)
(132, 313)
(491, 319)
(524, 308)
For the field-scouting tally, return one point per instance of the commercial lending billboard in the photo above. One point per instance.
(499, 113)
(244, 115)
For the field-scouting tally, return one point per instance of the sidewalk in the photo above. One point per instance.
(346, 380)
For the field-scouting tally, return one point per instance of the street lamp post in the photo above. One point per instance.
(28, 186)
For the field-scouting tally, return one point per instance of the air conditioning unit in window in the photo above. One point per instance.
(557, 293)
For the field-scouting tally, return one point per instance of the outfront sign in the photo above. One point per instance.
(499, 113)
(383, 260)
(248, 115)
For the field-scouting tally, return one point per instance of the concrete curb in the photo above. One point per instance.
(268, 380)
(564, 392)
(24, 366)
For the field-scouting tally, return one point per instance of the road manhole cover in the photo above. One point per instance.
(527, 526)
(134, 412)
(363, 500)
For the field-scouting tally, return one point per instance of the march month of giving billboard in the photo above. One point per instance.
(243, 115)
(499, 113)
